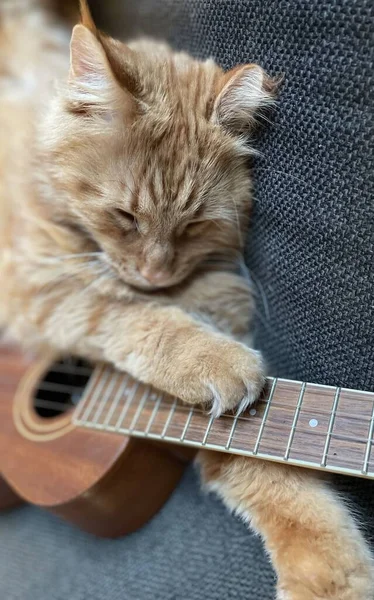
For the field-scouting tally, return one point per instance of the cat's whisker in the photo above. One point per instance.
(57, 259)
(58, 276)
(105, 276)
(258, 291)
(221, 218)
(240, 237)
(88, 268)
(103, 269)
(222, 262)
(79, 255)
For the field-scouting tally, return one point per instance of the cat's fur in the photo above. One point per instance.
(159, 136)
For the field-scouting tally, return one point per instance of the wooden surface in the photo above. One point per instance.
(8, 499)
(107, 484)
(300, 423)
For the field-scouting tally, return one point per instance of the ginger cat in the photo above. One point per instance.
(120, 186)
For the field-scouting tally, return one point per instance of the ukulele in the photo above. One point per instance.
(104, 451)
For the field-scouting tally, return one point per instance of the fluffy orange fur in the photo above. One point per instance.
(123, 173)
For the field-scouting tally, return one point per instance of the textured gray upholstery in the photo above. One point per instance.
(192, 550)
(311, 253)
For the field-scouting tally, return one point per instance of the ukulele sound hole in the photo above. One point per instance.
(62, 387)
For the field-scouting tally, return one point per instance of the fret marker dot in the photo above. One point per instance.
(313, 422)
(252, 412)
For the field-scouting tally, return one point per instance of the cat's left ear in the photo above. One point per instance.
(245, 91)
(92, 83)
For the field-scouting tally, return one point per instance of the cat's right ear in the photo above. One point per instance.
(92, 84)
(246, 90)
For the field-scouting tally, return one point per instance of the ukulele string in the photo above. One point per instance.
(312, 413)
(250, 418)
(99, 406)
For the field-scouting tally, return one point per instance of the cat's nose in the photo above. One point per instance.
(154, 276)
(156, 263)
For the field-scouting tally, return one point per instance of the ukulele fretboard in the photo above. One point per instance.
(293, 422)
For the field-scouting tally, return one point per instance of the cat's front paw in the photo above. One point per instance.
(222, 374)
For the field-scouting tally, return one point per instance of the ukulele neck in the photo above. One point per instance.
(305, 424)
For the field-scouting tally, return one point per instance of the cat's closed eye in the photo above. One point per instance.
(126, 218)
(195, 227)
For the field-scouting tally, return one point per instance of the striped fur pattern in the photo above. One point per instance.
(123, 179)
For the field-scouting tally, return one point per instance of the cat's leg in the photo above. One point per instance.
(222, 298)
(315, 545)
(160, 345)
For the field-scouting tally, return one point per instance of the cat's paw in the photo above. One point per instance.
(343, 575)
(224, 375)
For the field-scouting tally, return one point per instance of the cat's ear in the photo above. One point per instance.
(93, 84)
(91, 81)
(245, 91)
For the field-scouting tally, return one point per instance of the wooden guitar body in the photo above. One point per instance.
(107, 484)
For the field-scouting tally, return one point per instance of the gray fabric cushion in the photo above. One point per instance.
(192, 550)
(310, 251)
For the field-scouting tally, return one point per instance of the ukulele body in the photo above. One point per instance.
(107, 484)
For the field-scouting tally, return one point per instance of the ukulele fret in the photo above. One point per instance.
(331, 426)
(232, 431)
(139, 410)
(95, 396)
(262, 427)
(154, 413)
(116, 400)
(126, 407)
(102, 405)
(209, 427)
(294, 422)
(186, 426)
(87, 393)
(368, 445)
(169, 418)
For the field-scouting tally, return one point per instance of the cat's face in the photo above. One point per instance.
(150, 156)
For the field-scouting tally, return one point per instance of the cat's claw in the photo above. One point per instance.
(221, 403)
(226, 376)
(247, 401)
(217, 405)
(216, 409)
